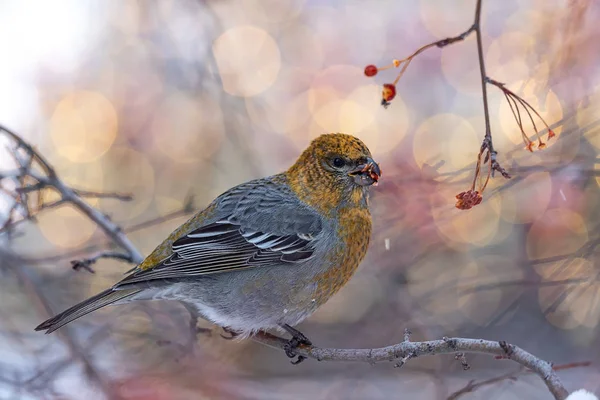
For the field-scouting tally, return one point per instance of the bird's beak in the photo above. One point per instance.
(366, 174)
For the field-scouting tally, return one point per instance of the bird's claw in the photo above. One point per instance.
(291, 346)
(298, 360)
(298, 338)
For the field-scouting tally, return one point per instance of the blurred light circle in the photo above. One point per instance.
(433, 288)
(507, 56)
(569, 305)
(302, 136)
(188, 129)
(479, 226)
(340, 101)
(444, 18)
(83, 126)
(282, 116)
(545, 103)
(478, 306)
(587, 117)
(559, 232)
(446, 139)
(382, 129)
(535, 20)
(460, 67)
(334, 83)
(345, 116)
(127, 171)
(476, 301)
(248, 60)
(87, 176)
(351, 303)
(528, 199)
(66, 227)
(176, 182)
(301, 47)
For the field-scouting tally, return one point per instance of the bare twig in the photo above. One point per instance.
(104, 195)
(473, 385)
(30, 284)
(514, 101)
(87, 262)
(50, 179)
(487, 146)
(398, 352)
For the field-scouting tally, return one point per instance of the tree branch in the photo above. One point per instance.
(50, 179)
(486, 113)
(407, 350)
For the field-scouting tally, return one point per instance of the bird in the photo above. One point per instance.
(265, 254)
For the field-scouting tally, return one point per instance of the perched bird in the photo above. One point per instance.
(264, 254)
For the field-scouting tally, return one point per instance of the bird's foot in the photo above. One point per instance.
(232, 334)
(298, 338)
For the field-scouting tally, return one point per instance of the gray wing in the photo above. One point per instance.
(258, 225)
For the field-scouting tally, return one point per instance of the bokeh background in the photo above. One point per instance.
(176, 101)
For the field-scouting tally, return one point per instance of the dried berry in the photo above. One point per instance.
(468, 199)
(529, 146)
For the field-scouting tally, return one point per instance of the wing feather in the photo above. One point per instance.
(224, 246)
(260, 223)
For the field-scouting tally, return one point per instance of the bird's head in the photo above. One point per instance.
(337, 169)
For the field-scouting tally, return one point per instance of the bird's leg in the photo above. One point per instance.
(194, 328)
(297, 339)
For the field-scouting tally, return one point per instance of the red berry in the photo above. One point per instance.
(370, 70)
(389, 92)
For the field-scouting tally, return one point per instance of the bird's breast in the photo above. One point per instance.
(354, 233)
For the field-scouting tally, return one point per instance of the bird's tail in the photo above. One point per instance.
(100, 300)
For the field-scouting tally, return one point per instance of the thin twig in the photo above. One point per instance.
(439, 44)
(486, 113)
(104, 195)
(87, 262)
(473, 385)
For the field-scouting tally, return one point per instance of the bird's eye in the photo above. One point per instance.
(338, 162)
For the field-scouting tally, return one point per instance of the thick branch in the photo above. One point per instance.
(400, 351)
